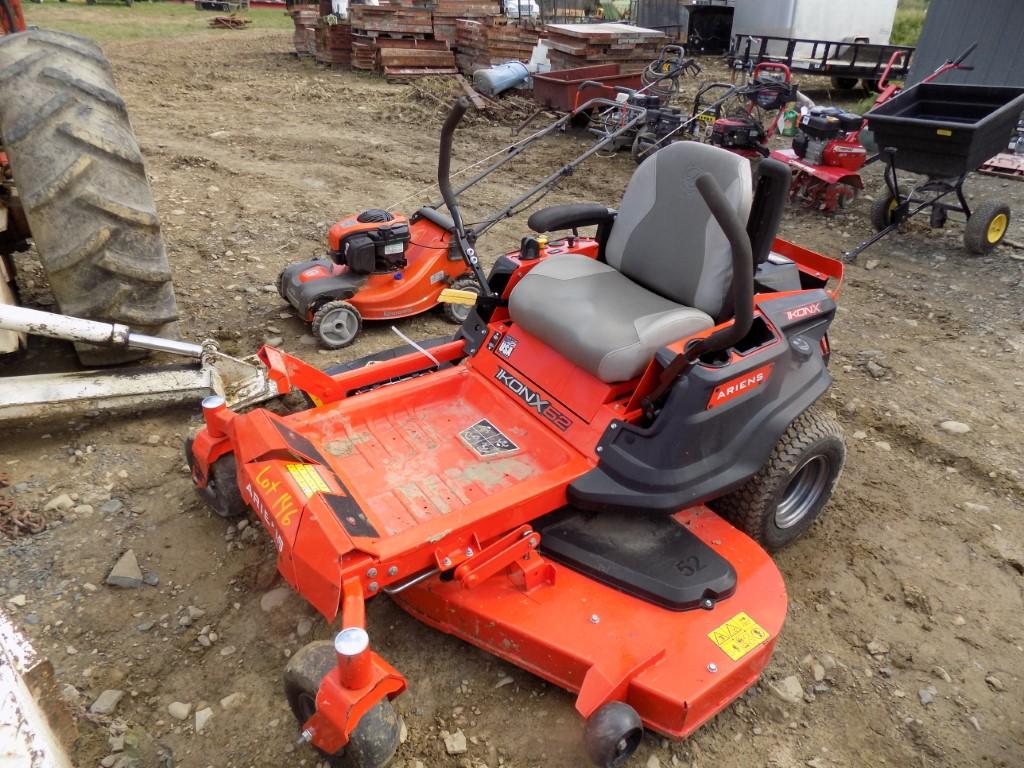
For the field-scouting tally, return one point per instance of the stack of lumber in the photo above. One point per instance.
(399, 19)
(581, 45)
(397, 40)
(334, 43)
(305, 18)
(446, 12)
(482, 44)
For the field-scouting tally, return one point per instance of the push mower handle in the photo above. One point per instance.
(965, 54)
(444, 183)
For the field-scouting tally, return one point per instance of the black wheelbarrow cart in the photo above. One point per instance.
(942, 132)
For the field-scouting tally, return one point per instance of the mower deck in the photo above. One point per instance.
(425, 457)
(677, 669)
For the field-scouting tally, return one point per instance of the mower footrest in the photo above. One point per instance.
(651, 557)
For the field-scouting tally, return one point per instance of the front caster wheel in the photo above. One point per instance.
(457, 313)
(612, 734)
(374, 741)
(221, 492)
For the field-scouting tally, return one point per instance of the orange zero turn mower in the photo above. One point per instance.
(586, 481)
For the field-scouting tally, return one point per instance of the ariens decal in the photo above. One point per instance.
(735, 387)
(534, 400)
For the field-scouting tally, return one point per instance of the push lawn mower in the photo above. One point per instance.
(583, 481)
(384, 266)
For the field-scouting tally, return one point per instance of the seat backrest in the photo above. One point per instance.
(665, 237)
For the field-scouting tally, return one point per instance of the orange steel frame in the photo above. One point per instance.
(362, 523)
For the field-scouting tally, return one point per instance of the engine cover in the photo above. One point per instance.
(736, 133)
(372, 241)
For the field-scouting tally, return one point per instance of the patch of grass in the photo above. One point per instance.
(906, 27)
(115, 21)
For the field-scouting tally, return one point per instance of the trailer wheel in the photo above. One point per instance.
(612, 734)
(374, 741)
(987, 226)
(457, 313)
(844, 83)
(786, 496)
(883, 210)
(336, 324)
(83, 188)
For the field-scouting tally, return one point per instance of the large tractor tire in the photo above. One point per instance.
(80, 177)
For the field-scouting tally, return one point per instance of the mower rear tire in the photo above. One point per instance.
(987, 226)
(612, 734)
(83, 187)
(377, 735)
(786, 496)
(457, 313)
(336, 324)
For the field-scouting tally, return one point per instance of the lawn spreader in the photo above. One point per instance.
(585, 481)
(943, 132)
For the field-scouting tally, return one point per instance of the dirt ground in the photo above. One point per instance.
(906, 600)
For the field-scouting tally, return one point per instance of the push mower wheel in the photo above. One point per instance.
(457, 313)
(788, 493)
(612, 734)
(374, 741)
(987, 226)
(336, 324)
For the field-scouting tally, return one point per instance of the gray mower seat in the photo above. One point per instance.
(667, 275)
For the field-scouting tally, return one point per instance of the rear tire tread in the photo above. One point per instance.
(77, 165)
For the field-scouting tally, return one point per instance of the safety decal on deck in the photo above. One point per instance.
(309, 479)
(738, 636)
(485, 439)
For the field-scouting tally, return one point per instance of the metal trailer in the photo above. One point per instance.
(845, 62)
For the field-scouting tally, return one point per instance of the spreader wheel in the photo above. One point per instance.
(612, 734)
(457, 313)
(336, 324)
(374, 741)
(883, 210)
(987, 226)
(786, 496)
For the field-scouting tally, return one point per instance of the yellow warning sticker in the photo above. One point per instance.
(738, 636)
(309, 479)
(944, 132)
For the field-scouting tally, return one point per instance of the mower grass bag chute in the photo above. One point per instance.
(384, 266)
(583, 482)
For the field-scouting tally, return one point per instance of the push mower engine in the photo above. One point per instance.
(372, 241)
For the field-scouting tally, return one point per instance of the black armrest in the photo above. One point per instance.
(570, 216)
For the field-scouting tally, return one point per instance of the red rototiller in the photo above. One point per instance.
(584, 481)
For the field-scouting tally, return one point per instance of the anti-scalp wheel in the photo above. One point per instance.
(612, 734)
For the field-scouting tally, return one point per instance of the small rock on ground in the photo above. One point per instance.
(789, 689)
(274, 599)
(106, 702)
(455, 743)
(126, 572)
(954, 427)
(203, 717)
(179, 710)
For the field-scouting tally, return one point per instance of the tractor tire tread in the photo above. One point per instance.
(83, 186)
